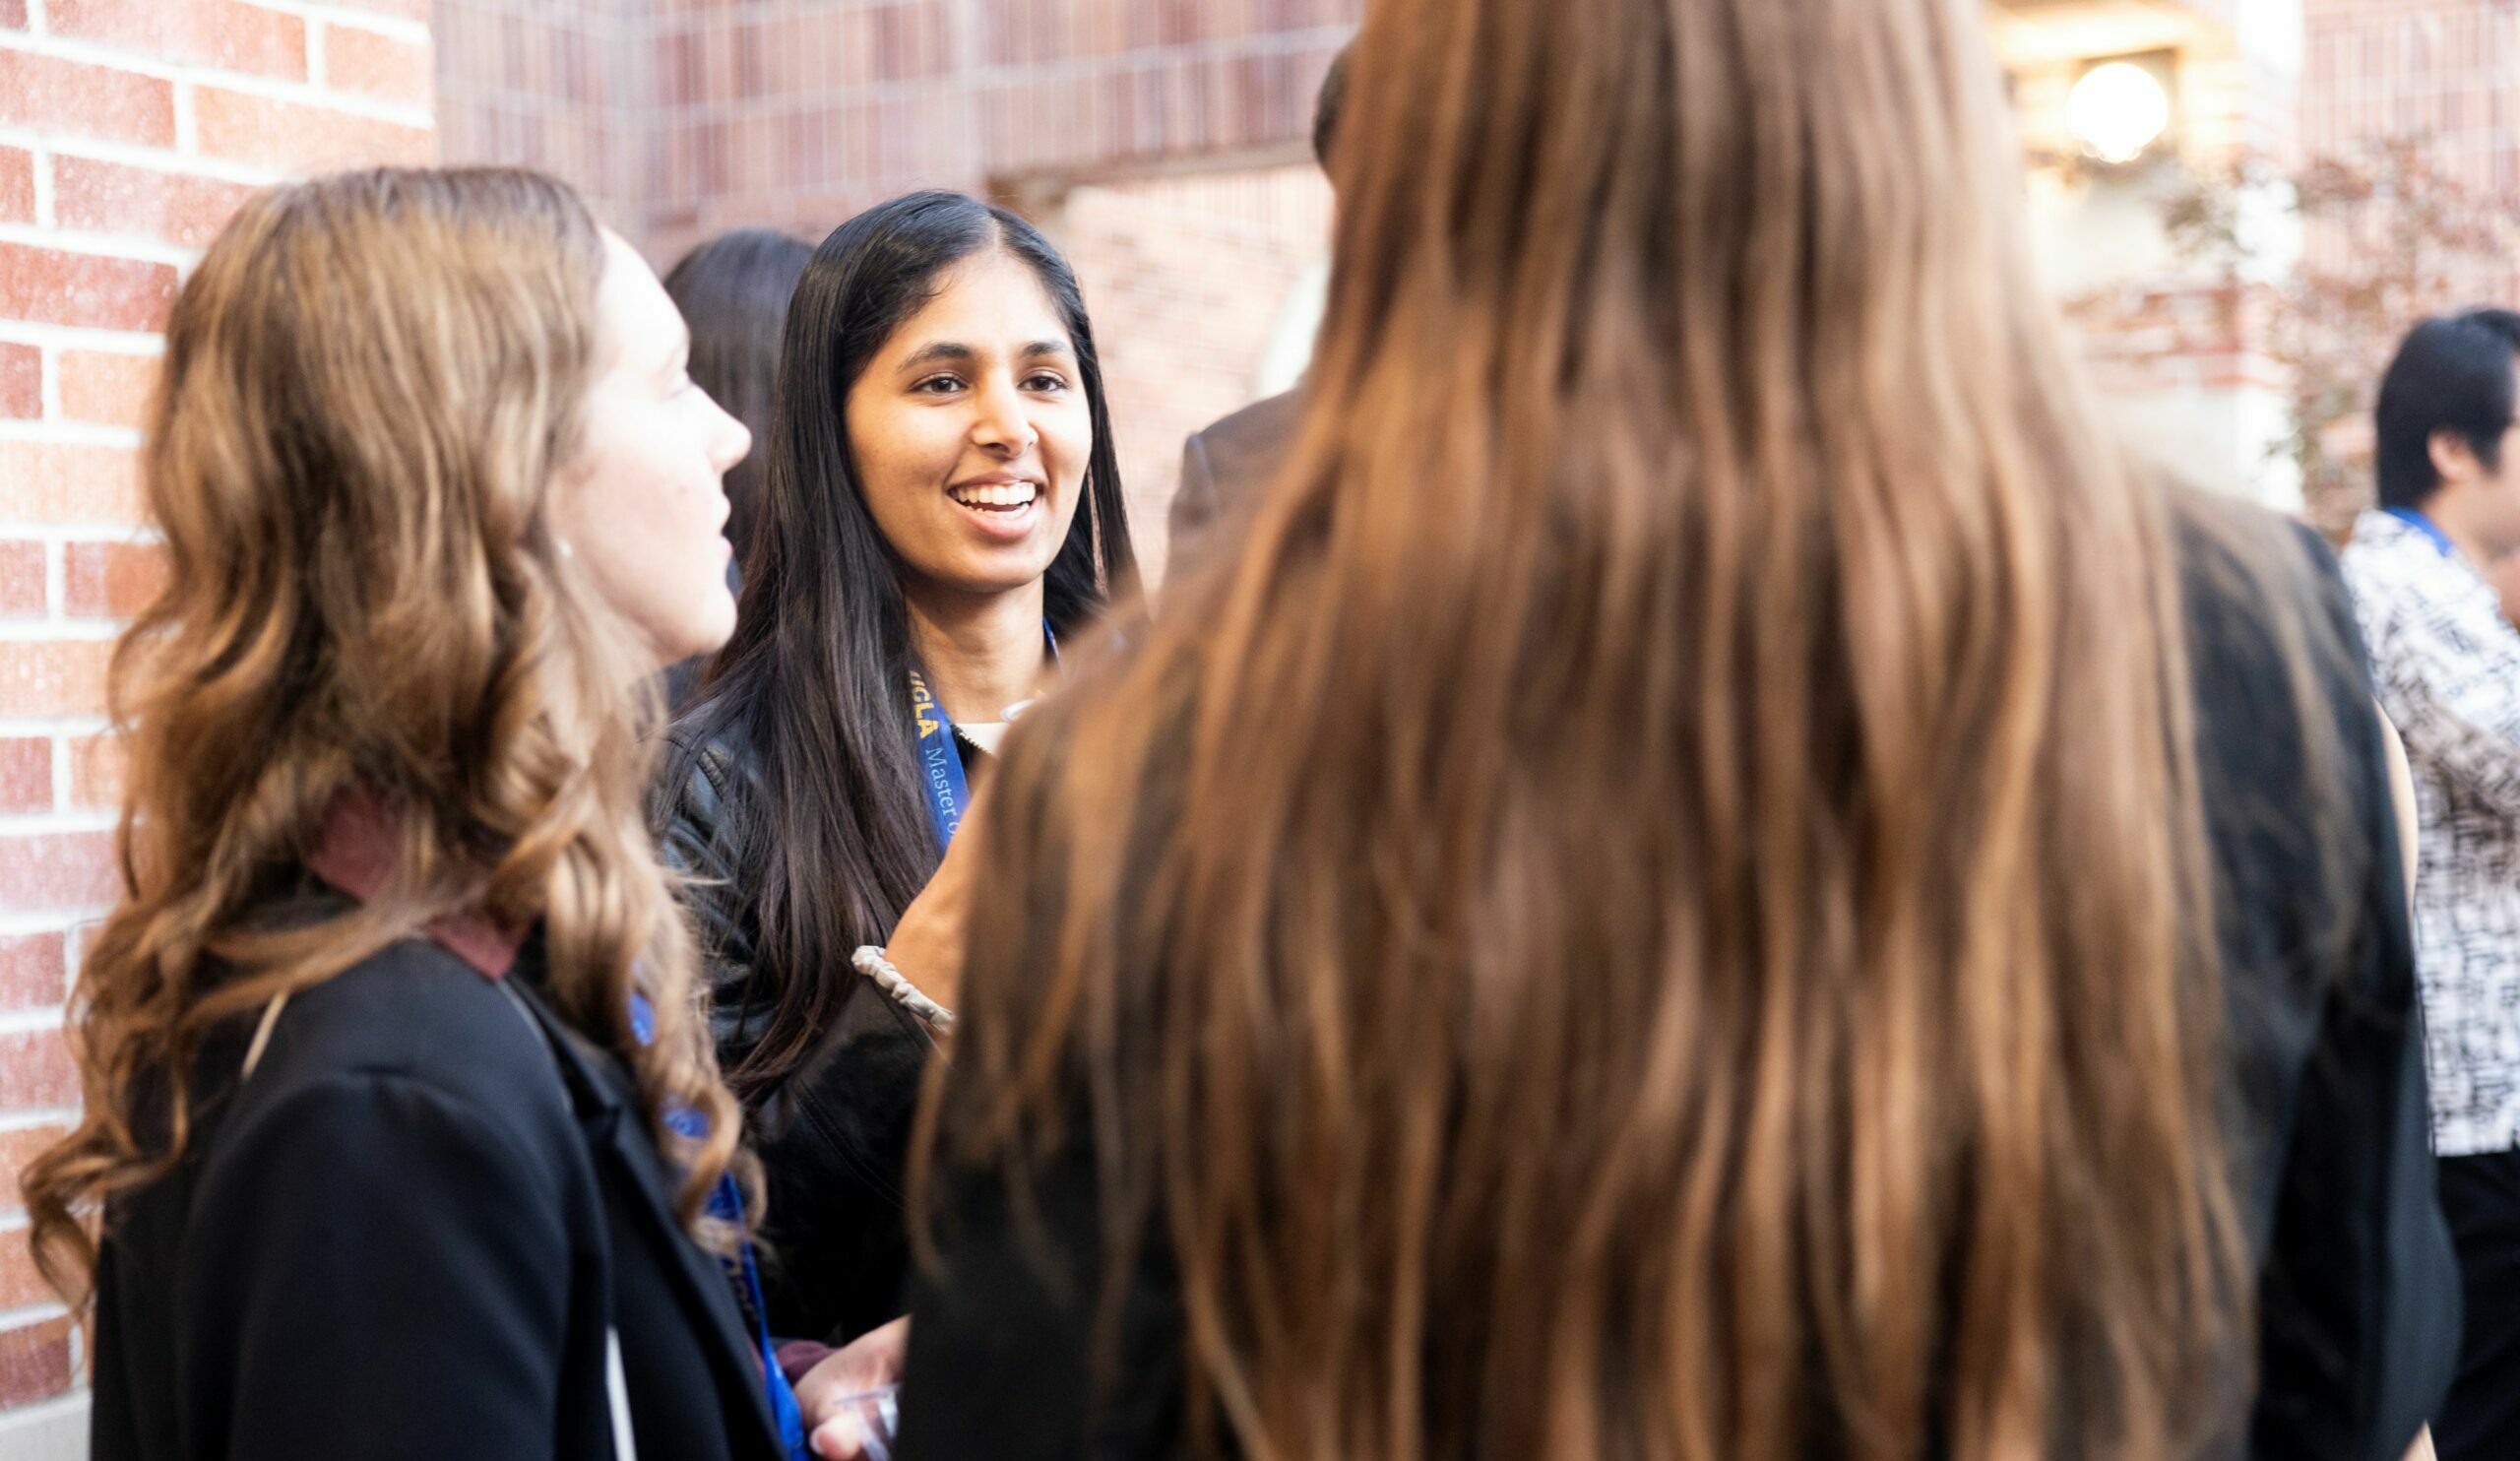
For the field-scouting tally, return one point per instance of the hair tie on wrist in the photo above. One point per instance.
(869, 961)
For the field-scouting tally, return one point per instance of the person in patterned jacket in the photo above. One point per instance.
(2447, 665)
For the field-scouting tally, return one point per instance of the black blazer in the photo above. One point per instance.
(405, 1237)
(2359, 1304)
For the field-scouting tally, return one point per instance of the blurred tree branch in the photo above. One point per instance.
(2387, 237)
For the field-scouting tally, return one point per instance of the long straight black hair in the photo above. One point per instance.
(835, 840)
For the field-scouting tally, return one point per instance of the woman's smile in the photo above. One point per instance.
(1001, 506)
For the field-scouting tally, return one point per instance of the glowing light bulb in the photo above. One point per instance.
(2117, 110)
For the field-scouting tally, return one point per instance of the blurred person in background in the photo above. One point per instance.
(2447, 661)
(941, 509)
(1720, 873)
(733, 291)
(404, 1129)
(1226, 465)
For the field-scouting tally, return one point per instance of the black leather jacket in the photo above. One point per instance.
(834, 1137)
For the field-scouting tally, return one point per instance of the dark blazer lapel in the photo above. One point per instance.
(356, 852)
(615, 1126)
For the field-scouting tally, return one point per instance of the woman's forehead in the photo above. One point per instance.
(636, 318)
(991, 302)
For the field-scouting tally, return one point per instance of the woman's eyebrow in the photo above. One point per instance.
(938, 352)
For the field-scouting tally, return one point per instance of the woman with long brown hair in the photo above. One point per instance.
(401, 1120)
(1723, 877)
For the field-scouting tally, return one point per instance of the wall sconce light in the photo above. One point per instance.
(2118, 110)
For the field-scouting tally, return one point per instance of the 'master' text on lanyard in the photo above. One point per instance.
(940, 760)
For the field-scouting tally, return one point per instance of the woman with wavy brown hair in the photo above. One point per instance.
(401, 1121)
(1723, 877)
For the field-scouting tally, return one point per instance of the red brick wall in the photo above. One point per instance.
(2168, 334)
(129, 129)
(550, 84)
(802, 113)
(1186, 279)
(2447, 72)
(1166, 145)
(688, 117)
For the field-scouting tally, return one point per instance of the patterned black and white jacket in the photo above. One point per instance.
(2446, 665)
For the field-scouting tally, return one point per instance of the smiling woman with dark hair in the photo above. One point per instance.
(941, 507)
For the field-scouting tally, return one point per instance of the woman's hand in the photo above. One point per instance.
(927, 943)
(827, 1392)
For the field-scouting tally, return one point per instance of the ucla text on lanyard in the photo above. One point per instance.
(940, 760)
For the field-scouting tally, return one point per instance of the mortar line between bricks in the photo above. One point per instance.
(154, 159)
(28, 1119)
(67, 534)
(57, 823)
(35, 1020)
(70, 433)
(64, 630)
(46, 1412)
(50, 390)
(33, 1313)
(76, 824)
(99, 245)
(180, 99)
(140, 63)
(83, 337)
(391, 26)
(40, 164)
(51, 919)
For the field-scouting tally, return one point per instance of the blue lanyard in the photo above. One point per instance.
(2429, 528)
(940, 760)
(743, 1272)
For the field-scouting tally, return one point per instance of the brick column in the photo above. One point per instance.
(129, 130)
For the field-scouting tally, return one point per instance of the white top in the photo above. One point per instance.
(2447, 668)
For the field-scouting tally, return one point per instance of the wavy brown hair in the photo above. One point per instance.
(370, 382)
(1659, 907)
